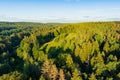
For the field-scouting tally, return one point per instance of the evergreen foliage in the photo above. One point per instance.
(81, 51)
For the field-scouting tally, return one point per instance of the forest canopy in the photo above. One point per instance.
(54, 51)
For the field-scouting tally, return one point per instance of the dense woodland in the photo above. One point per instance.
(81, 51)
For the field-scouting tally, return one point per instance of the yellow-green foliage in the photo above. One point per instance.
(81, 51)
(64, 41)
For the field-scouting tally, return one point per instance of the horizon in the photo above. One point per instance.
(61, 11)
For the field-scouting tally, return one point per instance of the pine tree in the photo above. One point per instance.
(61, 75)
(53, 72)
(69, 60)
(76, 75)
(49, 70)
(106, 47)
(45, 68)
(92, 77)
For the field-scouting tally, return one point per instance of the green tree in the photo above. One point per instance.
(92, 77)
(106, 47)
(76, 75)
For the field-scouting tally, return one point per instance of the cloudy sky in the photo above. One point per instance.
(59, 10)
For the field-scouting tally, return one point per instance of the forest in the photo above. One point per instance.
(57, 51)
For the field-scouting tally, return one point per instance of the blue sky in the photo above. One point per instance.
(59, 10)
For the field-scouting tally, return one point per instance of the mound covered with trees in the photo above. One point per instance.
(82, 51)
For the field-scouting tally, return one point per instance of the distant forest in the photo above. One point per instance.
(54, 51)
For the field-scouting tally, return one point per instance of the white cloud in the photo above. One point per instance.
(109, 14)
